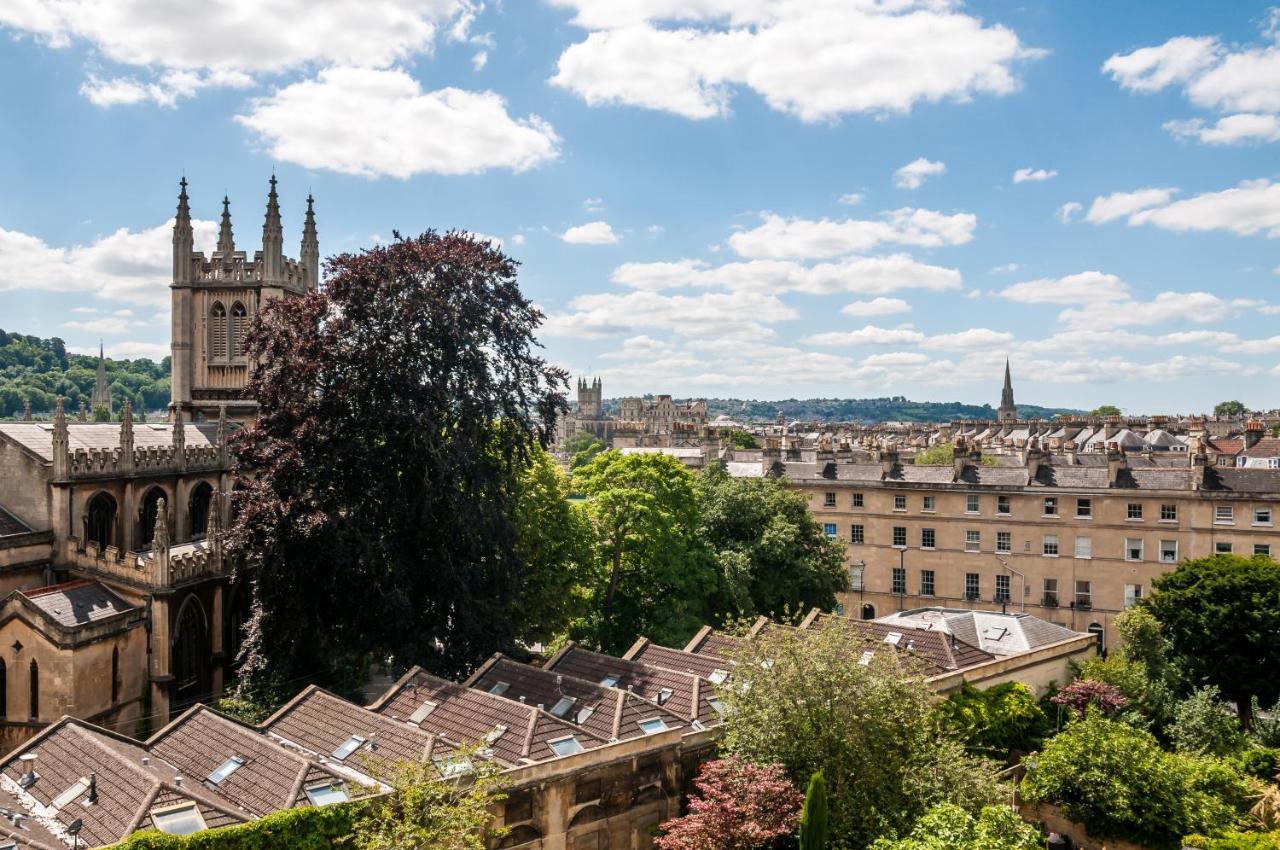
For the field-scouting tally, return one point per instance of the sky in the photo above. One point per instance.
(750, 198)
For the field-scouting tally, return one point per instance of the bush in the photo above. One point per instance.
(1235, 841)
(1260, 762)
(1202, 724)
(1117, 782)
(997, 721)
(307, 828)
(948, 827)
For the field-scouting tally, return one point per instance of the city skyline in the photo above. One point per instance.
(1089, 191)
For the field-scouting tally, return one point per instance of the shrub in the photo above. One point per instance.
(948, 827)
(1082, 694)
(1202, 724)
(737, 806)
(996, 721)
(307, 828)
(1235, 841)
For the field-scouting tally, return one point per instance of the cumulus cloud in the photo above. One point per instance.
(1197, 307)
(1082, 287)
(1068, 211)
(1252, 207)
(851, 199)
(591, 233)
(798, 238)
(1033, 175)
(868, 335)
(1120, 204)
(876, 307)
(605, 314)
(914, 173)
(376, 123)
(967, 340)
(126, 265)
(1241, 82)
(815, 59)
(861, 275)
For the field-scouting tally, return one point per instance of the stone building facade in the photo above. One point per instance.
(657, 422)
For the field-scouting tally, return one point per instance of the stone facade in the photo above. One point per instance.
(657, 423)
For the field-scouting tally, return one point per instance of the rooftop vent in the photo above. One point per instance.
(29, 775)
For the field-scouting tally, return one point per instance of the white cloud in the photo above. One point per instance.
(226, 42)
(1080, 288)
(868, 335)
(860, 275)
(1068, 211)
(134, 266)
(1033, 175)
(101, 325)
(479, 59)
(605, 314)
(1197, 307)
(593, 205)
(1229, 130)
(973, 338)
(1249, 208)
(517, 239)
(914, 173)
(851, 199)
(591, 233)
(876, 307)
(798, 238)
(1120, 204)
(1007, 268)
(1149, 69)
(655, 230)
(815, 59)
(381, 123)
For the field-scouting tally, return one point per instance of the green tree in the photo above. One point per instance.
(740, 439)
(1203, 724)
(552, 542)
(1105, 410)
(772, 556)
(101, 414)
(1141, 669)
(1221, 615)
(652, 574)
(997, 721)
(581, 448)
(397, 406)
(943, 454)
(1229, 408)
(427, 812)
(803, 699)
(1117, 781)
(949, 827)
(813, 817)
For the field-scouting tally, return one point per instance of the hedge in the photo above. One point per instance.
(1236, 841)
(306, 828)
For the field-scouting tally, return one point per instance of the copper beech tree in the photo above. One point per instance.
(397, 407)
(737, 805)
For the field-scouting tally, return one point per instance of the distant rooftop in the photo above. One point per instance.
(991, 631)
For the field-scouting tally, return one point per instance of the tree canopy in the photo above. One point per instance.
(1221, 616)
(944, 454)
(1105, 410)
(581, 448)
(735, 805)
(397, 407)
(949, 827)
(1229, 408)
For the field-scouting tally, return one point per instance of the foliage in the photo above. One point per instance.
(740, 439)
(581, 448)
(1221, 615)
(996, 721)
(736, 805)
(652, 574)
(1105, 410)
(944, 454)
(40, 371)
(552, 542)
(1117, 781)
(1260, 762)
(304, 828)
(772, 556)
(1229, 408)
(101, 414)
(1202, 724)
(894, 408)
(1140, 668)
(1235, 841)
(426, 812)
(949, 827)
(396, 407)
(802, 698)
(1266, 724)
(813, 818)
(242, 709)
(1083, 694)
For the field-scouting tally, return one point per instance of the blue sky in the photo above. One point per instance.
(758, 198)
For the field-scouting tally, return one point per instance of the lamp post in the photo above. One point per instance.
(1004, 603)
(902, 572)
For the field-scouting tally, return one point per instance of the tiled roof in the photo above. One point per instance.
(10, 524)
(688, 692)
(701, 665)
(991, 631)
(38, 437)
(1242, 480)
(937, 650)
(77, 603)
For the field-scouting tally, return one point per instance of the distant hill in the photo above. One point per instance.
(39, 370)
(893, 409)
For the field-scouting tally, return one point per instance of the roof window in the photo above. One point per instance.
(327, 793)
(609, 681)
(421, 712)
(718, 676)
(69, 796)
(893, 638)
(225, 769)
(453, 766)
(499, 688)
(566, 746)
(562, 706)
(348, 747)
(584, 714)
(867, 655)
(178, 820)
(653, 725)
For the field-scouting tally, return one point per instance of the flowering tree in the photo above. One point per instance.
(737, 806)
(1083, 693)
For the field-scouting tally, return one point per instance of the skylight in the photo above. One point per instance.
(562, 706)
(716, 705)
(225, 769)
(69, 796)
(718, 676)
(584, 714)
(348, 747)
(494, 734)
(452, 766)
(327, 793)
(664, 695)
(420, 713)
(866, 657)
(565, 746)
(892, 638)
(609, 681)
(178, 820)
(499, 689)
(653, 725)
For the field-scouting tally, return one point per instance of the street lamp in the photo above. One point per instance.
(1004, 602)
(902, 574)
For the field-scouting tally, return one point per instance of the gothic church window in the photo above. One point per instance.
(235, 336)
(218, 332)
(35, 690)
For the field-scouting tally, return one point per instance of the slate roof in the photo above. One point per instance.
(689, 692)
(990, 631)
(1242, 479)
(77, 603)
(936, 649)
(38, 437)
(10, 524)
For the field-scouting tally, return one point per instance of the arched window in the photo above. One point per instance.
(4, 689)
(868, 611)
(236, 334)
(1097, 631)
(35, 690)
(115, 675)
(190, 655)
(147, 515)
(198, 508)
(100, 520)
(218, 332)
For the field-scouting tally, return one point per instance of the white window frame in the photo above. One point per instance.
(1166, 549)
(1084, 547)
(1267, 512)
(1224, 515)
(899, 502)
(575, 746)
(1051, 506)
(972, 504)
(1050, 540)
(1006, 547)
(973, 540)
(1132, 595)
(1134, 545)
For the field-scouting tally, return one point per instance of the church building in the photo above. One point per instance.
(116, 603)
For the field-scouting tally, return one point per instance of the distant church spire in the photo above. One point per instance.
(310, 254)
(101, 392)
(1008, 410)
(272, 239)
(226, 241)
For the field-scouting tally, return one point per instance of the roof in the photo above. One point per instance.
(991, 631)
(77, 603)
(10, 524)
(687, 694)
(37, 437)
(936, 649)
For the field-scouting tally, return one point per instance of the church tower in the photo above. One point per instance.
(215, 298)
(1008, 410)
